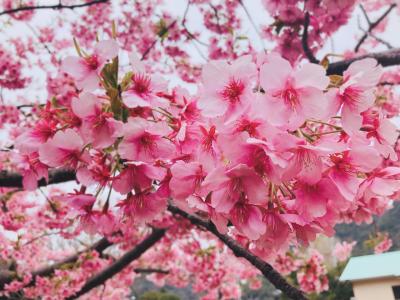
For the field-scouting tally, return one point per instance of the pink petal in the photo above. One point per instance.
(311, 75)
(85, 105)
(274, 73)
(351, 121)
(106, 50)
(76, 67)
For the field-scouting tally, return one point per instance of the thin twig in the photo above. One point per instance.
(38, 38)
(252, 23)
(365, 14)
(189, 33)
(153, 44)
(372, 25)
(55, 7)
(217, 17)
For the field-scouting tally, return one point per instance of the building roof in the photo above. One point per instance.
(372, 266)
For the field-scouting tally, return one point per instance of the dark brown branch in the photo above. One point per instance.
(266, 269)
(10, 179)
(384, 58)
(388, 83)
(99, 247)
(150, 270)
(55, 7)
(365, 14)
(380, 40)
(121, 263)
(304, 40)
(372, 26)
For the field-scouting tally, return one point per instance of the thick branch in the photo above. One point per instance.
(121, 263)
(372, 25)
(99, 247)
(10, 179)
(55, 6)
(266, 269)
(304, 40)
(384, 58)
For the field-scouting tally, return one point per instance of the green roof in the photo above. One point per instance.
(372, 266)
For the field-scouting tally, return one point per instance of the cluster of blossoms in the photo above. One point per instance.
(10, 72)
(272, 151)
(280, 152)
(307, 269)
(342, 251)
(326, 17)
(312, 277)
(9, 114)
(182, 257)
(384, 245)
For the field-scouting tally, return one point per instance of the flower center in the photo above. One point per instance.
(248, 126)
(92, 62)
(290, 97)
(233, 90)
(141, 83)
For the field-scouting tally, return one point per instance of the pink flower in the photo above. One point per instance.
(312, 277)
(342, 251)
(197, 202)
(384, 182)
(144, 142)
(86, 70)
(143, 206)
(228, 187)
(90, 220)
(31, 169)
(30, 140)
(312, 199)
(382, 130)
(227, 87)
(345, 166)
(306, 163)
(186, 179)
(248, 220)
(384, 245)
(137, 175)
(292, 96)
(64, 149)
(356, 94)
(143, 88)
(97, 126)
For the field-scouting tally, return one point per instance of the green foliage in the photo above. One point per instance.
(156, 295)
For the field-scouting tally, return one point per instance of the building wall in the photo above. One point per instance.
(375, 289)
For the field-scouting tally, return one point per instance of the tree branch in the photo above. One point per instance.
(99, 247)
(384, 58)
(304, 41)
(121, 263)
(11, 179)
(266, 269)
(372, 25)
(150, 270)
(55, 7)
